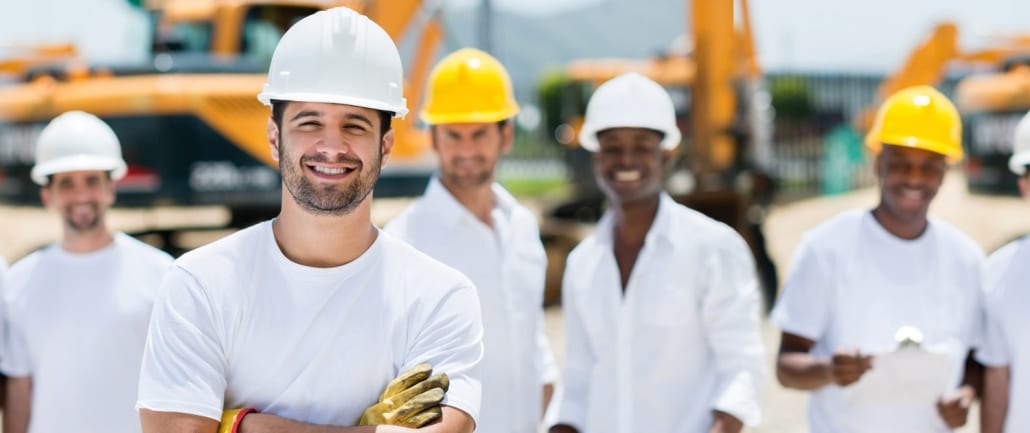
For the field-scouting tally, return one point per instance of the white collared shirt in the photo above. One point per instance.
(507, 264)
(680, 342)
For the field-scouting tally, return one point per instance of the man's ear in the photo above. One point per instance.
(878, 164)
(386, 146)
(44, 196)
(507, 136)
(668, 157)
(1024, 186)
(273, 139)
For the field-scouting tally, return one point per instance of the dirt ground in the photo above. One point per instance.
(991, 221)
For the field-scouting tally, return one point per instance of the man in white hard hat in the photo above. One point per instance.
(473, 224)
(299, 323)
(1006, 404)
(873, 283)
(661, 302)
(76, 312)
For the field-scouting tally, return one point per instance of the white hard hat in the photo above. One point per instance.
(630, 101)
(77, 141)
(1021, 147)
(337, 56)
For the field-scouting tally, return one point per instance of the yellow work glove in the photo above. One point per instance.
(411, 400)
(231, 420)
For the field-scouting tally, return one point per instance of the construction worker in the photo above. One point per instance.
(76, 312)
(1005, 402)
(661, 302)
(473, 224)
(298, 323)
(863, 277)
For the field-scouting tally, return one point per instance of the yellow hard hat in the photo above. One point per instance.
(469, 86)
(919, 117)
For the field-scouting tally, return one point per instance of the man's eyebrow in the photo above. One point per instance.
(307, 113)
(359, 117)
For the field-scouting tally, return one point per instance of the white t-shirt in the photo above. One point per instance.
(508, 264)
(240, 325)
(682, 341)
(1006, 340)
(77, 323)
(853, 284)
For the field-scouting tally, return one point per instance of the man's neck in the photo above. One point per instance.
(479, 200)
(632, 221)
(904, 229)
(323, 241)
(86, 242)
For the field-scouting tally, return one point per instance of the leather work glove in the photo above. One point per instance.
(411, 400)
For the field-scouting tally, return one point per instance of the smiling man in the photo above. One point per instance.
(661, 303)
(861, 276)
(468, 221)
(300, 323)
(76, 312)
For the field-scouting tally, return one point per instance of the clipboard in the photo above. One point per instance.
(909, 377)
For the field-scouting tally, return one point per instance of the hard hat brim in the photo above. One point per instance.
(1018, 162)
(471, 117)
(951, 153)
(588, 135)
(41, 172)
(398, 111)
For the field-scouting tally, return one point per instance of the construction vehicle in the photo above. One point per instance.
(15, 60)
(992, 93)
(191, 127)
(724, 112)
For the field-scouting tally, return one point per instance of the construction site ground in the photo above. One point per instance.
(991, 221)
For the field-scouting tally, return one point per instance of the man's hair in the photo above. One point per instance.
(500, 124)
(50, 178)
(278, 107)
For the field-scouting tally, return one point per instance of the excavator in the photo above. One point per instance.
(192, 130)
(725, 114)
(992, 95)
(15, 60)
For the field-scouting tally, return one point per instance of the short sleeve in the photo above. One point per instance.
(184, 361)
(449, 337)
(802, 307)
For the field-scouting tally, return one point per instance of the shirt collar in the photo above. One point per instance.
(452, 212)
(661, 228)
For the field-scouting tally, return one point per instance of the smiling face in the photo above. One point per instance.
(909, 179)
(330, 155)
(81, 198)
(629, 164)
(469, 152)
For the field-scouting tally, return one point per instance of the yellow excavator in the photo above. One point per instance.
(192, 130)
(725, 115)
(992, 95)
(15, 60)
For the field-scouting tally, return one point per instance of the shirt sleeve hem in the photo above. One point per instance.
(990, 360)
(792, 328)
(180, 407)
(14, 371)
(463, 406)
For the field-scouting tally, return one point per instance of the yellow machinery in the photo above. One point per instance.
(992, 95)
(718, 87)
(19, 59)
(191, 127)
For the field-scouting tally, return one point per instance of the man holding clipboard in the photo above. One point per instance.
(862, 276)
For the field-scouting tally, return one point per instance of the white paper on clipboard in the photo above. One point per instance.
(906, 378)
